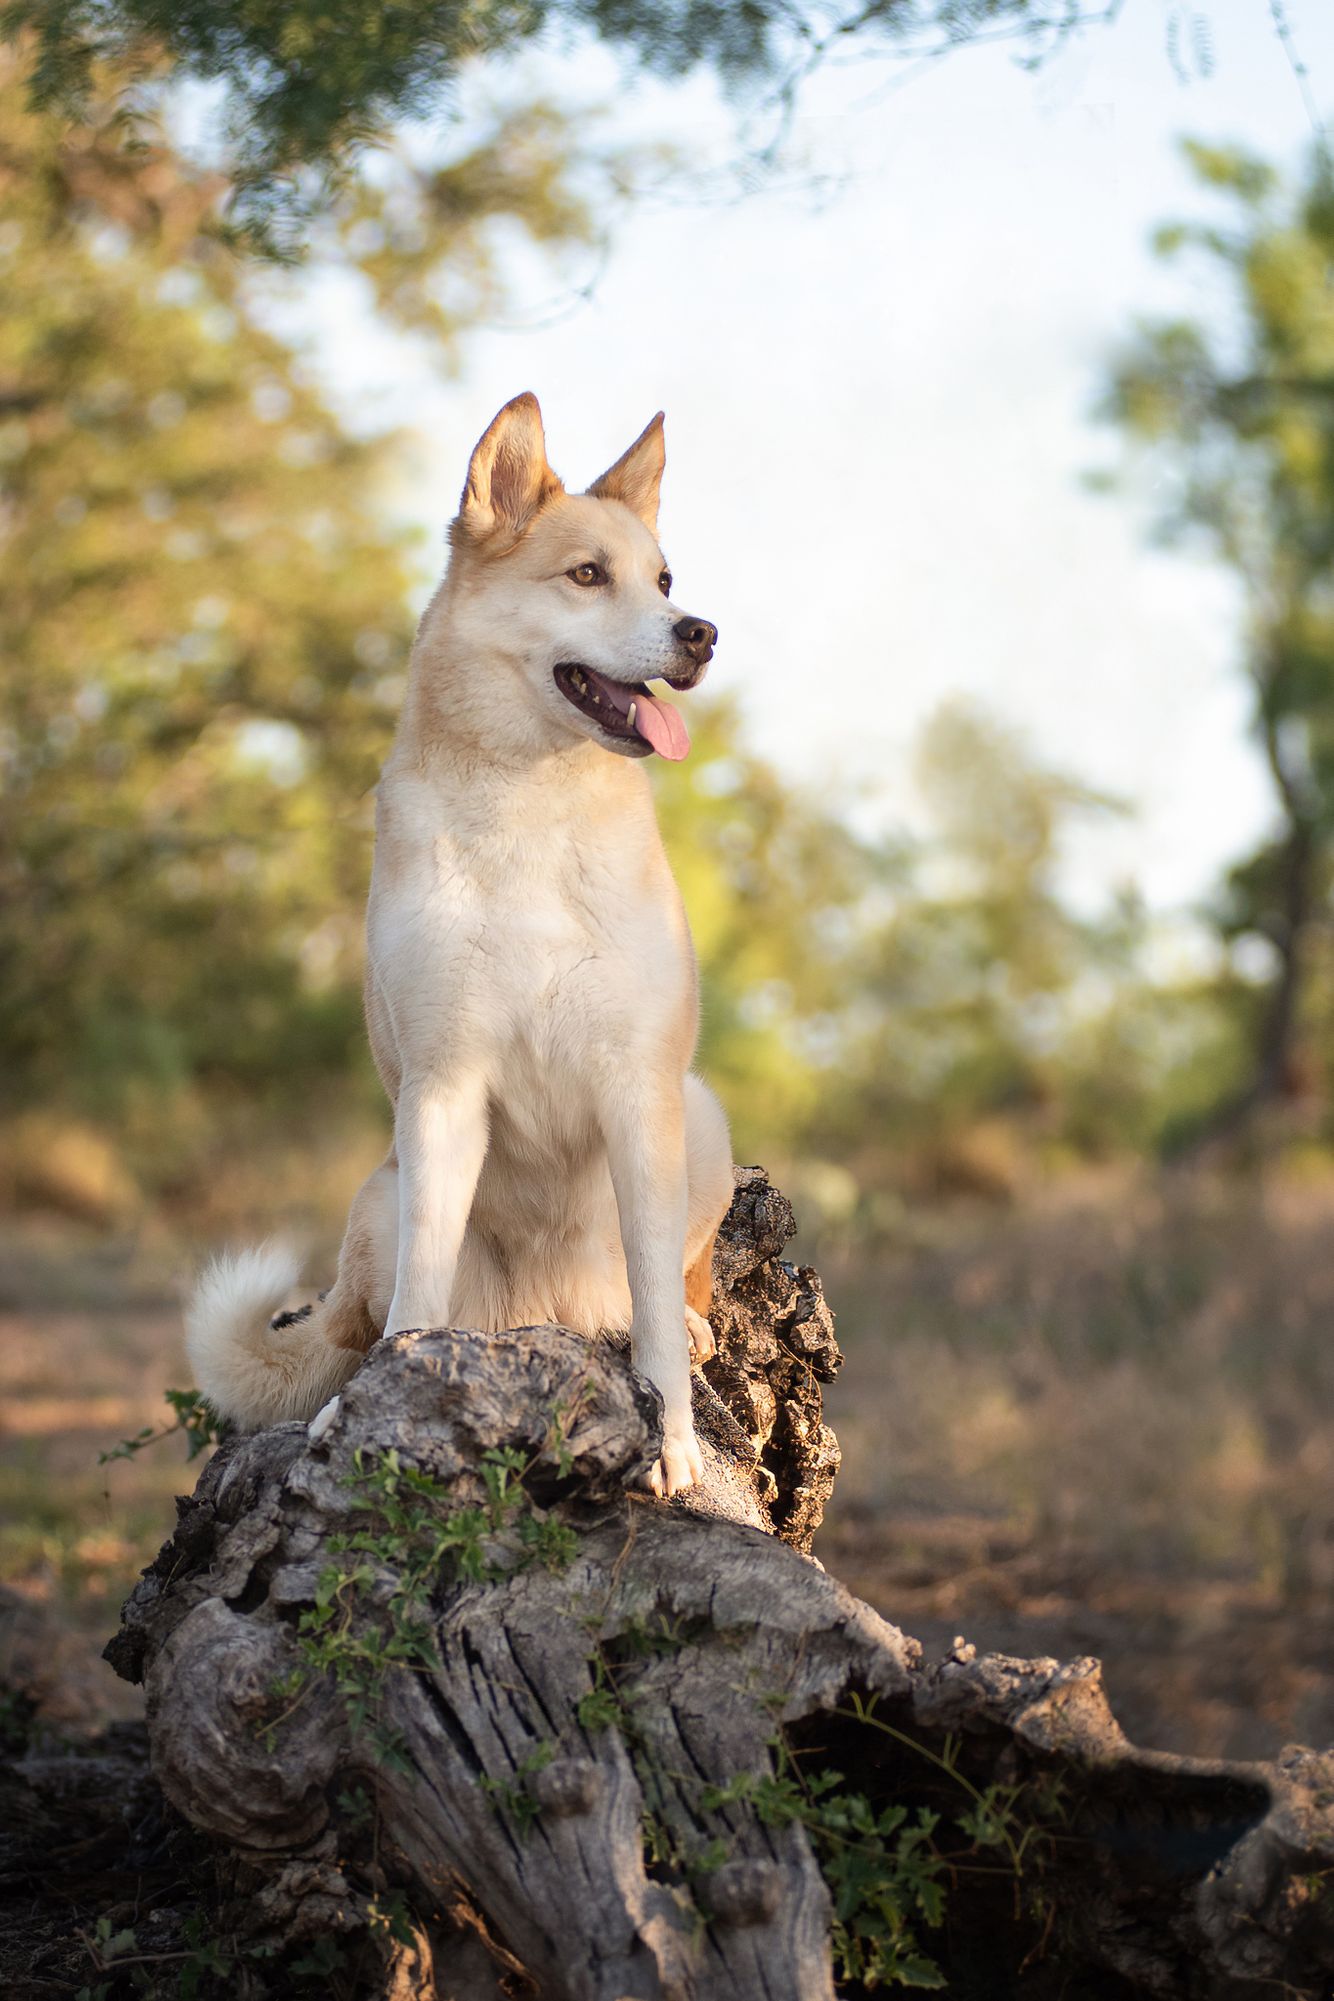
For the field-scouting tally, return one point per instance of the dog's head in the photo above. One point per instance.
(571, 591)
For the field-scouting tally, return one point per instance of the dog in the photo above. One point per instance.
(531, 988)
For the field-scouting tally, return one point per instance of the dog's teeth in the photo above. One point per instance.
(630, 714)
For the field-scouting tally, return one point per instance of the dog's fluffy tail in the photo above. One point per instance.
(250, 1371)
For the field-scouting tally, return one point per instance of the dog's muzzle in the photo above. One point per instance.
(697, 638)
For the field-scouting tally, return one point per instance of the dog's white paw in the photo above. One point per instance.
(322, 1419)
(703, 1347)
(681, 1464)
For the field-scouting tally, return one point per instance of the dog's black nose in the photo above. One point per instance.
(698, 638)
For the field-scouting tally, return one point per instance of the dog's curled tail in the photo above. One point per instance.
(250, 1371)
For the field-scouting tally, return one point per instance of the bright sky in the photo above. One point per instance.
(879, 415)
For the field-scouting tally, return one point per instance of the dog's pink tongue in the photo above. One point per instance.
(662, 726)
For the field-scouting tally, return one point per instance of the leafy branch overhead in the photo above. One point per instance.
(307, 85)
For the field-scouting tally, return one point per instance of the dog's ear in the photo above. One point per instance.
(636, 476)
(509, 479)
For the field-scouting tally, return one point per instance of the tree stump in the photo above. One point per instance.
(447, 1677)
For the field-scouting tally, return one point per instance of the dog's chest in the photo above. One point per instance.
(568, 961)
(548, 941)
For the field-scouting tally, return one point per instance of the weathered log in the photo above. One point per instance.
(448, 1664)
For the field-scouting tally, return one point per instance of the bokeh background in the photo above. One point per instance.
(998, 358)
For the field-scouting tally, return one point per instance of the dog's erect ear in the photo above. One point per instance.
(509, 479)
(636, 476)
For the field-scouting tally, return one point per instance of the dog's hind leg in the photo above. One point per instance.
(643, 1123)
(357, 1304)
(352, 1316)
(709, 1180)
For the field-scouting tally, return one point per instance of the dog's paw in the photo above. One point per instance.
(681, 1464)
(703, 1347)
(322, 1419)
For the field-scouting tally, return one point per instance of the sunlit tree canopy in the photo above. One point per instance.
(307, 84)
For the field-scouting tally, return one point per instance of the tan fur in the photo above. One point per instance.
(531, 994)
(635, 478)
(699, 1278)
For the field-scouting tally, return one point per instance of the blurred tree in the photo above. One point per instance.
(967, 989)
(1238, 419)
(203, 626)
(779, 892)
(309, 82)
(203, 614)
(892, 1016)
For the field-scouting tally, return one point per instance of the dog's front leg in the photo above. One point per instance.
(645, 1137)
(440, 1135)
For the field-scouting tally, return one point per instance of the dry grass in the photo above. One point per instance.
(89, 1338)
(1106, 1424)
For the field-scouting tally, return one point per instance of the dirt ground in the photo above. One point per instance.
(1207, 1669)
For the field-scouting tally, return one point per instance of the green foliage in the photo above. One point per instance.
(858, 996)
(203, 626)
(310, 84)
(323, 1957)
(889, 1866)
(207, 1963)
(775, 886)
(882, 1868)
(888, 1863)
(207, 1960)
(203, 614)
(202, 1961)
(389, 1916)
(196, 1420)
(513, 1795)
(372, 1610)
(193, 579)
(599, 1708)
(962, 985)
(105, 1947)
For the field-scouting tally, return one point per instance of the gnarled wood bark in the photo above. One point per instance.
(540, 1777)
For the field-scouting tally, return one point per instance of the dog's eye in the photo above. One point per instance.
(665, 583)
(587, 573)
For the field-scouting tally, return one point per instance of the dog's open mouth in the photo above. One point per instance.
(624, 709)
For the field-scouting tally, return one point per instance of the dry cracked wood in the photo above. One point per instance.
(541, 1772)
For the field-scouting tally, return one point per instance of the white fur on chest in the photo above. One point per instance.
(515, 931)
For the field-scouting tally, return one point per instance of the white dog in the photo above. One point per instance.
(531, 992)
